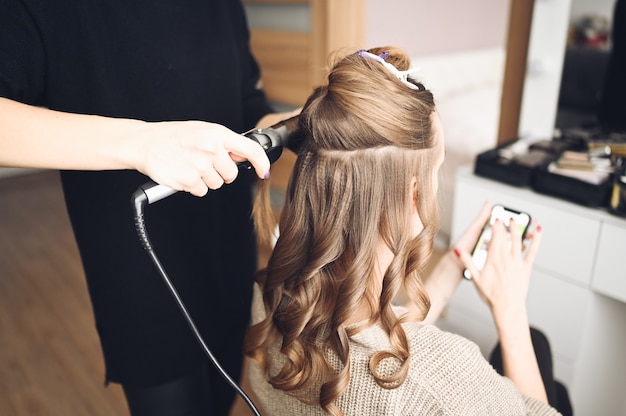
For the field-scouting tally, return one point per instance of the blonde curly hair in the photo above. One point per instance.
(368, 136)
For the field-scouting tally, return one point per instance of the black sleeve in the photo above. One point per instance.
(22, 60)
(255, 103)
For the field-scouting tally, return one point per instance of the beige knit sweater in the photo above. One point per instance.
(448, 376)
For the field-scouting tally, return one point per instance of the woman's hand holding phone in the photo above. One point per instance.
(503, 283)
(505, 215)
(503, 280)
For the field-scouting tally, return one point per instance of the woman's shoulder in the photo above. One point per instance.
(421, 336)
(427, 335)
(460, 376)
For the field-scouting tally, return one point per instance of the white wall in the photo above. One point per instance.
(425, 27)
(467, 87)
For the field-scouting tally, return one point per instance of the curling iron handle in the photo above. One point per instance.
(155, 192)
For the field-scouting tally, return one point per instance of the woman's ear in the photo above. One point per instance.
(414, 193)
(416, 221)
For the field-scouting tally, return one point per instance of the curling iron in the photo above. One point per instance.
(273, 139)
(286, 133)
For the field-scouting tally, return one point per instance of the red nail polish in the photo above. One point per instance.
(538, 228)
(457, 252)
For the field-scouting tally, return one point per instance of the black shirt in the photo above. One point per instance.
(150, 60)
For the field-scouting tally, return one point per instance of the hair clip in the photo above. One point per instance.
(401, 75)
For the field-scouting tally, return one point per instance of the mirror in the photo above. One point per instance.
(585, 64)
(555, 51)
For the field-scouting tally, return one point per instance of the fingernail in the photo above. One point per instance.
(457, 252)
(538, 228)
(267, 175)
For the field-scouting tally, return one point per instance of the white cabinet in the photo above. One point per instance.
(609, 276)
(577, 294)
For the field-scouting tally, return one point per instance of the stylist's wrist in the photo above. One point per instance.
(138, 149)
(131, 144)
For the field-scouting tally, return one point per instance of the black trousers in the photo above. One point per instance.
(200, 393)
(558, 396)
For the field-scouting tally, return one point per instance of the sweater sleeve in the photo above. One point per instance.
(21, 54)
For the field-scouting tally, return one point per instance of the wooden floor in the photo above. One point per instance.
(50, 359)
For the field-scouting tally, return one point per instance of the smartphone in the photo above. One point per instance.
(479, 252)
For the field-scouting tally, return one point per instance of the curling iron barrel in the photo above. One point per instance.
(286, 133)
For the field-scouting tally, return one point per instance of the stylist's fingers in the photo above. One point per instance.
(213, 179)
(210, 172)
(198, 188)
(242, 148)
(225, 148)
(225, 167)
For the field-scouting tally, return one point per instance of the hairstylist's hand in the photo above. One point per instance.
(503, 281)
(195, 156)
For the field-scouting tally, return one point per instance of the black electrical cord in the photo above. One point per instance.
(286, 133)
(139, 201)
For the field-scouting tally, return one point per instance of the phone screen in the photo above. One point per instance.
(479, 253)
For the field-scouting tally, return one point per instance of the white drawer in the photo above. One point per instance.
(609, 277)
(558, 309)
